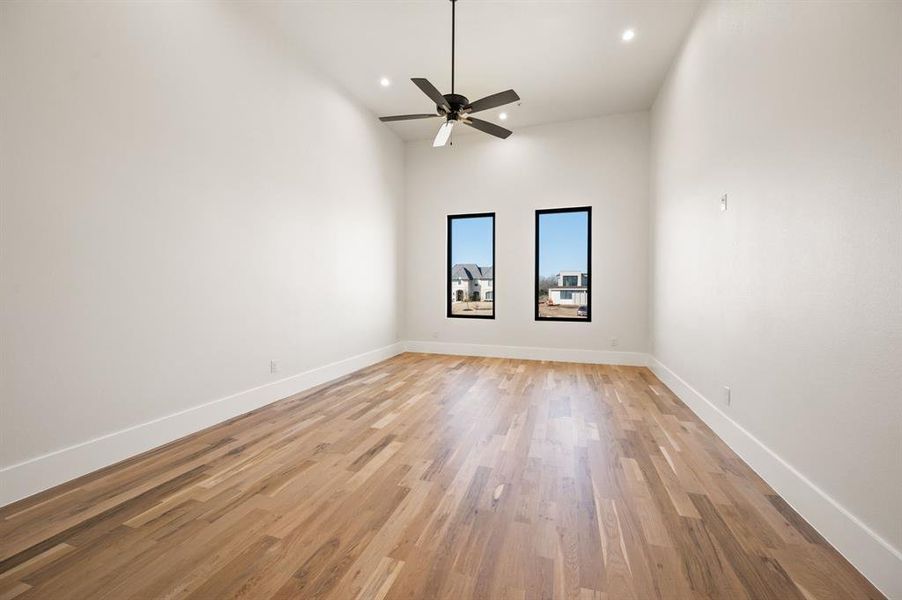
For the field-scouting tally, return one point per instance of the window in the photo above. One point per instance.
(471, 266)
(563, 264)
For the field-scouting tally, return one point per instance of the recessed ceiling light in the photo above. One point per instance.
(628, 35)
(503, 116)
(385, 82)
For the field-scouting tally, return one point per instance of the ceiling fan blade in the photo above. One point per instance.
(434, 94)
(444, 132)
(495, 100)
(407, 117)
(489, 128)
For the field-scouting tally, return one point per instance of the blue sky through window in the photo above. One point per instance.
(563, 242)
(471, 241)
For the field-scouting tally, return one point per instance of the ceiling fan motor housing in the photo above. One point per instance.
(457, 103)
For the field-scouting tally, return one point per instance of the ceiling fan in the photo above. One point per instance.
(456, 108)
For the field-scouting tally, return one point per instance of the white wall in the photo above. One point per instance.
(793, 297)
(171, 203)
(600, 162)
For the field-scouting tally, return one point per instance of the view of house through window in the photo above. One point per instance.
(471, 260)
(563, 264)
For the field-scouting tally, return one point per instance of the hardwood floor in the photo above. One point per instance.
(431, 477)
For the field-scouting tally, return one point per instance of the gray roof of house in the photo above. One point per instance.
(471, 271)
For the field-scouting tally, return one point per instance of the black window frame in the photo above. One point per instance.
(449, 265)
(573, 209)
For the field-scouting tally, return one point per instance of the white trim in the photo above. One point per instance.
(43, 472)
(872, 555)
(602, 357)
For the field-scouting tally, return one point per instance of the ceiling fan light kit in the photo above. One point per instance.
(456, 108)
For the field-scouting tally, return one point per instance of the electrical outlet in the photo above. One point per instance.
(723, 203)
(614, 342)
(273, 366)
(727, 400)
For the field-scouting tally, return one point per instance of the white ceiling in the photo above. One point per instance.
(565, 58)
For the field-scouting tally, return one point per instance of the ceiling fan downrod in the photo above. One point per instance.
(453, 22)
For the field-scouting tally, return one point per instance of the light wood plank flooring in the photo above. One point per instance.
(431, 477)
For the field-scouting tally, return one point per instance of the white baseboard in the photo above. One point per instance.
(876, 558)
(43, 472)
(601, 357)
(872, 555)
